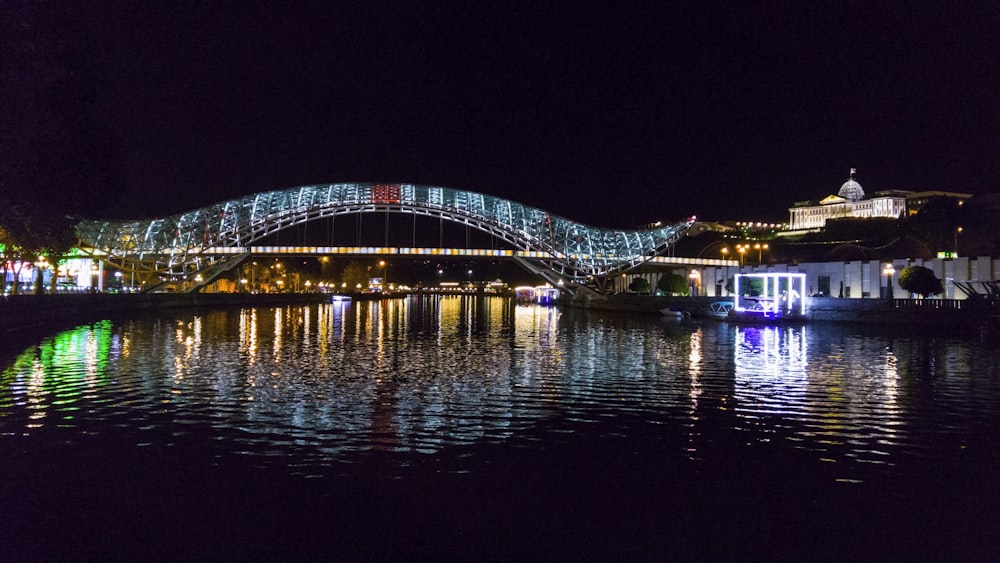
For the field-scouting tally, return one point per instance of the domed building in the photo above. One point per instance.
(850, 202)
(851, 190)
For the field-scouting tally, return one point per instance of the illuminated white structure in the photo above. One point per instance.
(186, 245)
(850, 202)
(781, 295)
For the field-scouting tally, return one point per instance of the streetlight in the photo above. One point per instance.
(742, 249)
(889, 271)
(958, 231)
(725, 252)
(385, 275)
(760, 249)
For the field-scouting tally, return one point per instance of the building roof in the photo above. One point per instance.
(851, 189)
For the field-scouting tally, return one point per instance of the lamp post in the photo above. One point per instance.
(888, 271)
(725, 252)
(760, 249)
(694, 276)
(40, 264)
(742, 249)
(958, 231)
(385, 276)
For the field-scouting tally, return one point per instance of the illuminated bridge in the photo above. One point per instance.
(206, 242)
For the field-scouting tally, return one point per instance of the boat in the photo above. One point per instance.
(542, 294)
(720, 309)
(667, 312)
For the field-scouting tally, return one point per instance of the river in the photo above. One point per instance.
(463, 428)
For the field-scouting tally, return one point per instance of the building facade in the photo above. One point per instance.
(850, 202)
(856, 279)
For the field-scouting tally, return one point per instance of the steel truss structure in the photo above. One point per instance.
(178, 245)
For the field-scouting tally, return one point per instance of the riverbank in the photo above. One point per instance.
(918, 312)
(25, 314)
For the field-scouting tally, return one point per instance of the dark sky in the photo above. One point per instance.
(613, 114)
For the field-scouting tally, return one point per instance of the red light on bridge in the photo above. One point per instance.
(385, 193)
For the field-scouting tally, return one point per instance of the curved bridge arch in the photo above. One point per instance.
(179, 244)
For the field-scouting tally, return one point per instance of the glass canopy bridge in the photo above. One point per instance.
(205, 243)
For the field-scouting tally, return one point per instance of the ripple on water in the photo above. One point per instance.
(305, 386)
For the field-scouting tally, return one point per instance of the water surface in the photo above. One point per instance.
(465, 428)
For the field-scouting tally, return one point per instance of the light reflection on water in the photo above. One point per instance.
(305, 386)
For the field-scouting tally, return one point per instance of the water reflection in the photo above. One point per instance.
(770, 365)
(318, 383)
(841, 403)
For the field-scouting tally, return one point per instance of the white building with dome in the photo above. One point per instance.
(850, 202)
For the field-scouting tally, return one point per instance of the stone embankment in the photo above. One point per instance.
(920, 312)
(29, 313)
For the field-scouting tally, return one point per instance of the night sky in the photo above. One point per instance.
(613, 114)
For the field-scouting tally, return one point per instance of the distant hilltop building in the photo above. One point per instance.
(850, 202)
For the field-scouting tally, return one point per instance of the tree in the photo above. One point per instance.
(639, 285)
(31, 233)
(672, 284)
(936, 222)
(920, 280)
(753, 287)
(353, 275)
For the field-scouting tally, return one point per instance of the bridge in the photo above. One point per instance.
(205, 243)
